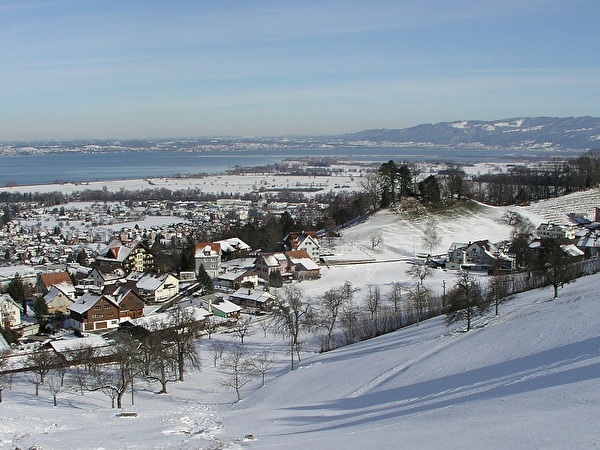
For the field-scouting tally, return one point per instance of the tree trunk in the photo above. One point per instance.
(55, 404)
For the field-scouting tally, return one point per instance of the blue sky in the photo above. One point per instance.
(128, 68)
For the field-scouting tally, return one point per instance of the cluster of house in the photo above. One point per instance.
(123, 287)
(43, 235)
(122, 283)
(579, 238)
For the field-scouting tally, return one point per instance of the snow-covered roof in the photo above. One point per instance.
(87, 301)
(152, 282)
(233, 244)
(236, 274)
(226, 306)
(572, 250)
(165, 319)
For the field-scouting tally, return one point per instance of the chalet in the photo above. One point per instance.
(479, 255)
(305, 240)
(58, 300)
(10, 312)
(208, 255)
(252, 298)
(130, 302)
(588, 241)
(155, 287)
(575, 254)
(94, 312)
(294, 264)
(237, 278)
(130, 255)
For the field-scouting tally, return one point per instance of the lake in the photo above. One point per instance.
(82, 167)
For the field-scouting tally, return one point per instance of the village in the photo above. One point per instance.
(92, 279)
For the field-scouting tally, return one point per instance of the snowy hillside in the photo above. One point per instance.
(529, 378)
(526, 379)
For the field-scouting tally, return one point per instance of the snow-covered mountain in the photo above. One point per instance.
(577, 133)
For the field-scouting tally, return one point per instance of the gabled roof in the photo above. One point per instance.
(237, 275)
(151, 282)
(108, 274)
(226, 306)
(118, 251)
(55, 292)
(164, 320)
(273, 259)
(233, 244)
(257, 295)
(571, 250)
(87, 301)
(121, 292)
(6, 299)
(49, 279)
(305, 262)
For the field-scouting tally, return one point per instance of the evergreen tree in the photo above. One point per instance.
(40, 309)
(205, 280)
(16, 289)
(275, 279)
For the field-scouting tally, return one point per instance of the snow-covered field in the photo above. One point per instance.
(529, 378)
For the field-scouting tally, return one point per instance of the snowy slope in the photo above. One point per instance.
(529, 378)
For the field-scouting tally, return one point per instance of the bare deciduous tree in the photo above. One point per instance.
(419, 297)
(370, 183)
(5, 376)
(376, 241)
(236, 367)
(261, 364)
(332, 303)
(39, 363)
(431, 234)
(373, 300)
(217, 349)
(465, 300)
(54, 383)
(158, 358)
(394, 296)
(184, 332)
(242, 328)
(113, 378)
(292, 316)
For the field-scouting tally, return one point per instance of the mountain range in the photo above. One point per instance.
(526, 133)
(577, 133)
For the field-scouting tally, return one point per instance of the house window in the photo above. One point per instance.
(106, 306)
(97, 307)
